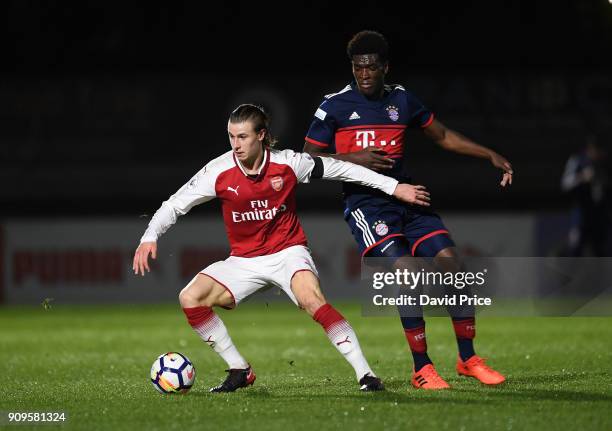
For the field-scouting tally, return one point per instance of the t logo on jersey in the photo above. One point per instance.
(362, 139)
(389, 137)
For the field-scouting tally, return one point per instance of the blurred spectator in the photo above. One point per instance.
(585, 180)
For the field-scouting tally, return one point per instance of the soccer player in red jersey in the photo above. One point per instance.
(365, 123)
(256, 185)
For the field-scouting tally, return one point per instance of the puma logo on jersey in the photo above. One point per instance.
(235, 190)
(354, 116)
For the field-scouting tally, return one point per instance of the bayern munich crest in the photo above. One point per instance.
(276, 183)
(393, 112)
(381, 228)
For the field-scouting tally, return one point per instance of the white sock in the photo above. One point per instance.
(214, 333)
(342, 336)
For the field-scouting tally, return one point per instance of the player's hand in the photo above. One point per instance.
(141, 257)
(503, 164)
(372, 158)
(416, 195)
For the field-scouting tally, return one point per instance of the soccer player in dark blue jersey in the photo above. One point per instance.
(365, 123)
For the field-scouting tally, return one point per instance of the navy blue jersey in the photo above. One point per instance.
(347, 122)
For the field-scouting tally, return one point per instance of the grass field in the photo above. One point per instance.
(93, 362)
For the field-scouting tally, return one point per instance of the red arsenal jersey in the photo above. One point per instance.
(259, 211)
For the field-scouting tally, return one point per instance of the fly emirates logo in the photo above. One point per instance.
(259, 211)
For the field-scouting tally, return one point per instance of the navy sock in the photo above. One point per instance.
(420, 360)
(465, 331)
(466, 348)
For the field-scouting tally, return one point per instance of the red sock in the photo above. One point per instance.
(416, 339)
(196, 316)
(327, 316)
(465, 328)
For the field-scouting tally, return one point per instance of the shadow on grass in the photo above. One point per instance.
(409, 396)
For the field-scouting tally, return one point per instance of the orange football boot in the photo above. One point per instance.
(428, 378)
(476, 367)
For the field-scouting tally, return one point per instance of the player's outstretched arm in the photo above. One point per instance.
(141, 257)
(333, 169)
(198, 190)
(454, 141)
(371, 157)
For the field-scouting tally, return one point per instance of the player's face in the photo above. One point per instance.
(369, 73)
(246, 143)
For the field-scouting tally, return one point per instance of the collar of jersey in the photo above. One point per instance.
(262, 169)
(355, 89)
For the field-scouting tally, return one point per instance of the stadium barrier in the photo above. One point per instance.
(90, 260)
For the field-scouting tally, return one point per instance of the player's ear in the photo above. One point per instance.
(386, 68)
(261, 135)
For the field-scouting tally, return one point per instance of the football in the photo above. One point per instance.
(172, 373)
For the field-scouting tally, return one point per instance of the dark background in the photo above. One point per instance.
(106, 109)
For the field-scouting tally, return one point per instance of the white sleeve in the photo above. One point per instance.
(301, 163)
(200, 189)
(350, 172)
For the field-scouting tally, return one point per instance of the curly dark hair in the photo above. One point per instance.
(257, 116)
(368, 42)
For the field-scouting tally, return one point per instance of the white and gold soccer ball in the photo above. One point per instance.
(172, 373)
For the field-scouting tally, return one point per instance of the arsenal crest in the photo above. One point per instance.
(276, 183)
(393, 112)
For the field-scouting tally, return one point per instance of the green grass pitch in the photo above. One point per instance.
(93, 362)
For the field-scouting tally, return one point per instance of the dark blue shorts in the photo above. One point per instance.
(378, 223)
